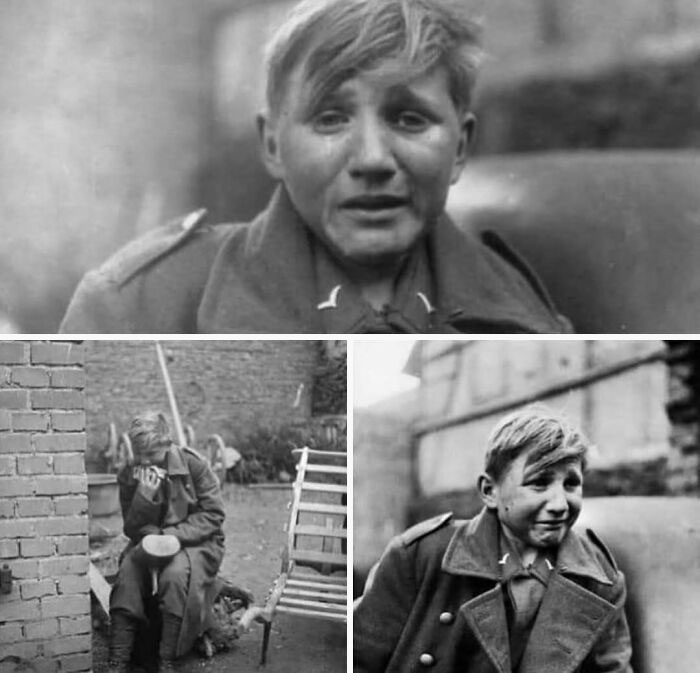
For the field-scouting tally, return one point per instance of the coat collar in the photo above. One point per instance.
(569, 619)
(273, 276)
(474, 550)
(175, 462)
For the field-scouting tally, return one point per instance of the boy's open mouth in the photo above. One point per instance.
(375, 202)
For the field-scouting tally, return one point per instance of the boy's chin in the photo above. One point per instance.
(549, 539)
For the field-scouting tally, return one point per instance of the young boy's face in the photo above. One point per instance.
(369, 166)
(152, 455)
(539, 506)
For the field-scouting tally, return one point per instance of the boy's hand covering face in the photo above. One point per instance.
(368, 167)
(537, 505)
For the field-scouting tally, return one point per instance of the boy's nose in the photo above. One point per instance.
(557, 503)
(372, 155)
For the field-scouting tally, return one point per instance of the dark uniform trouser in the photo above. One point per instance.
(131, 591)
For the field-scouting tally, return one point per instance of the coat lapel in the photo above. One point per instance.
(570, 618)
(486, 616)
(569, 621)
(473, 551)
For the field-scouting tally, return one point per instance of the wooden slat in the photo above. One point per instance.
(335, 588)
(341, 617)
(326, 488)
(330, 469)
(311, 605)
(320, 531)
(317, 452)
(323, 597)
(314, 577)
(312, 556)
(322, 507)
(99, 586)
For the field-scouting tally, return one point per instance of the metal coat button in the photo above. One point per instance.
(446, 618)
(426, 659)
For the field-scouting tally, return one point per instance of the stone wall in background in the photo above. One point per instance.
(45, 623)
(224, 387)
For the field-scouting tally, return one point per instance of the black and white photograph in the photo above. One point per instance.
(349, 166)
(407, 284)
(526, 506)
(173, 506)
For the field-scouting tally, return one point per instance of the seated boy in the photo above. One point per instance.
(169, 490)
(514, 589)
(367, 124)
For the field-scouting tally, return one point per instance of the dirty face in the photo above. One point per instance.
(539, 506)
(151, 455)
(369, 165)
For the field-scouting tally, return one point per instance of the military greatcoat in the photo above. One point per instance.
(189, 506)
(274, 276)
(436, 602)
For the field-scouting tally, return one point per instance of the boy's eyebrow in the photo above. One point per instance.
(543, 465)
(340, 95)
(403, 93)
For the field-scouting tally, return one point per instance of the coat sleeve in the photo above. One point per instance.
(98, 307)
(140, 514)
(208, 515)
(381, 614)
(613, 650)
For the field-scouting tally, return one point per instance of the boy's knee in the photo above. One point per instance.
(174, 578)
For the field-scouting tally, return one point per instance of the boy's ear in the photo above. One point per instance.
(488, 490)
(467, 133)
(269, 145)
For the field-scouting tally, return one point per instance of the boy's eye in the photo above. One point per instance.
(411, 121)
(329, 121)
(572, 483)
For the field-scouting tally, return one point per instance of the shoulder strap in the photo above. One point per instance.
(153, 246)
(420, 530)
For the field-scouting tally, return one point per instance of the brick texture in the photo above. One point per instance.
(14, 352)
(30, 421)
(27, 507)
(45, 619)
(56, 399)
(68, 378)
(15, 443)
(68, 421)
(58, 441)
(14, 399)
(8, 465)
(30, 377)
(230, 388)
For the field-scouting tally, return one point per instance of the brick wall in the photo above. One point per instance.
(45, 621)
(224, 387)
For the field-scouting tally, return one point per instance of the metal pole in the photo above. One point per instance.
(171, 396)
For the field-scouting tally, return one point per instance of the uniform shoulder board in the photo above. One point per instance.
(193, 452)
(601, 545)
(420, 530)
(147, 250)
(493, 241)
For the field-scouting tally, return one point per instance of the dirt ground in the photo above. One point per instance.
(255, 519)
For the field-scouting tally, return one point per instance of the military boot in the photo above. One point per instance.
(168, 643)
(121, 641)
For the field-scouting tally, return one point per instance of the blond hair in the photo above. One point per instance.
(550, 438)
(396, 39)
(148, 430)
